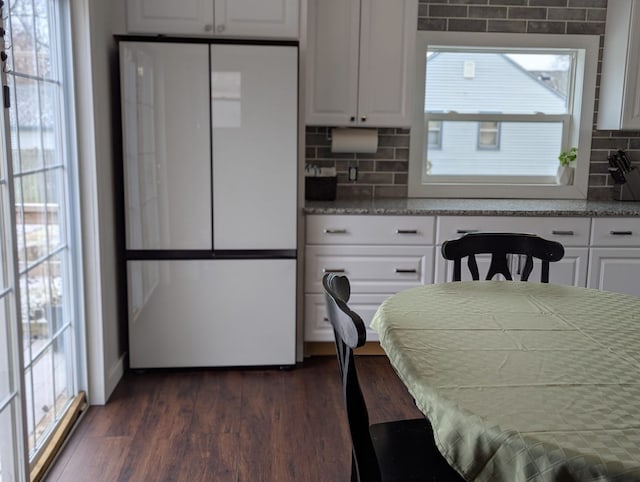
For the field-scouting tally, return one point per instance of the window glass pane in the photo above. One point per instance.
(53, 215)
(474, 81)
(5, 367)
(43, 393)
(29, 132)
(50, 140)
(7, 449)
(488, 139)
(526, 148)
(28, 396)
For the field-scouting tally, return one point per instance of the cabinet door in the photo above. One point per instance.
(212, 313)
(254, 92)
(332, 62)
(387, 46)
(571, 270)
(170, 17)
(257, 18)
(167, 155)
(615, 269)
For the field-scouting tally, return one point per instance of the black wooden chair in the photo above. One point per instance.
(499, 245)
(400, 451)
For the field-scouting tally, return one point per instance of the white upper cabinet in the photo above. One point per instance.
(257, 18)
(360, 62)
(192, 17)
(219, 18)
(619, 103)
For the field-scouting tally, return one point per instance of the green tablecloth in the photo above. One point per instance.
(522, 381)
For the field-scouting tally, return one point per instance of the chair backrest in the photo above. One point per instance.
(350, 333)
(499, 245)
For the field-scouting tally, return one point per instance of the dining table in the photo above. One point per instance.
(522, 381)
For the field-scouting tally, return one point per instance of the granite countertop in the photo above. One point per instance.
(477, 207)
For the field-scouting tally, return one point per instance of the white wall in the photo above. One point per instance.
(93, 24)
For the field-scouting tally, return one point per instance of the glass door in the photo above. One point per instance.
(39, 312)
(13, 452)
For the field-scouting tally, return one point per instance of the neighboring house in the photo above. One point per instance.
(490, 83)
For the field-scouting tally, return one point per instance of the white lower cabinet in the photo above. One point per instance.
(614, 260)
(189, 313)
(615, 269)
(380, 255)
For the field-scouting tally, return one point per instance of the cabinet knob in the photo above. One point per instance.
(220, 28)
(208, 27)
(353, 118)
(363, 118)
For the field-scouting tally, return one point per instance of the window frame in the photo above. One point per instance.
(578, 133)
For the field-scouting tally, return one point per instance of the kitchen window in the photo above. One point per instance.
(498, 110)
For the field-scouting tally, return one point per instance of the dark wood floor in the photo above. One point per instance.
(228, 425)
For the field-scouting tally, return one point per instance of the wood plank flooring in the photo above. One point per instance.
(231, 425)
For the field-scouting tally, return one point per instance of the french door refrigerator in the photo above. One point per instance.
(210, 199)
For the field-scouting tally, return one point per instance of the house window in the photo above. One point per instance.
(499, 109)
(488, 135)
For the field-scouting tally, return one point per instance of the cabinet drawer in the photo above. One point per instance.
(338, 229)
(383, 269)
(316, 323)
(568, 231)
(615, 232)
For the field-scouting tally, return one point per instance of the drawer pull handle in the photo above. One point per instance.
(562, 233)
(400, 270)
(328, 270)
(621, 233)
(325, 319)
(406, 231)
(335, 231)
(466, 231)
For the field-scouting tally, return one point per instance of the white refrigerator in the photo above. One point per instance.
(210, 200)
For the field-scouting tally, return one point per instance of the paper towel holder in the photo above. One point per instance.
(353, 139)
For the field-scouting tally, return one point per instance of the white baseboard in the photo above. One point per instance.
(115, 374)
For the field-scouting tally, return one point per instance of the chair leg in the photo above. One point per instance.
(354, 470)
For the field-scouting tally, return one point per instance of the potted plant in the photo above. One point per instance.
(565, 169)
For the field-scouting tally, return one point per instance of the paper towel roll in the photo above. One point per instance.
(354, 140)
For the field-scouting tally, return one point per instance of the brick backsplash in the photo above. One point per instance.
(384, 174)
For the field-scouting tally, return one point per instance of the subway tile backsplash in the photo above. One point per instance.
(384, 174)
